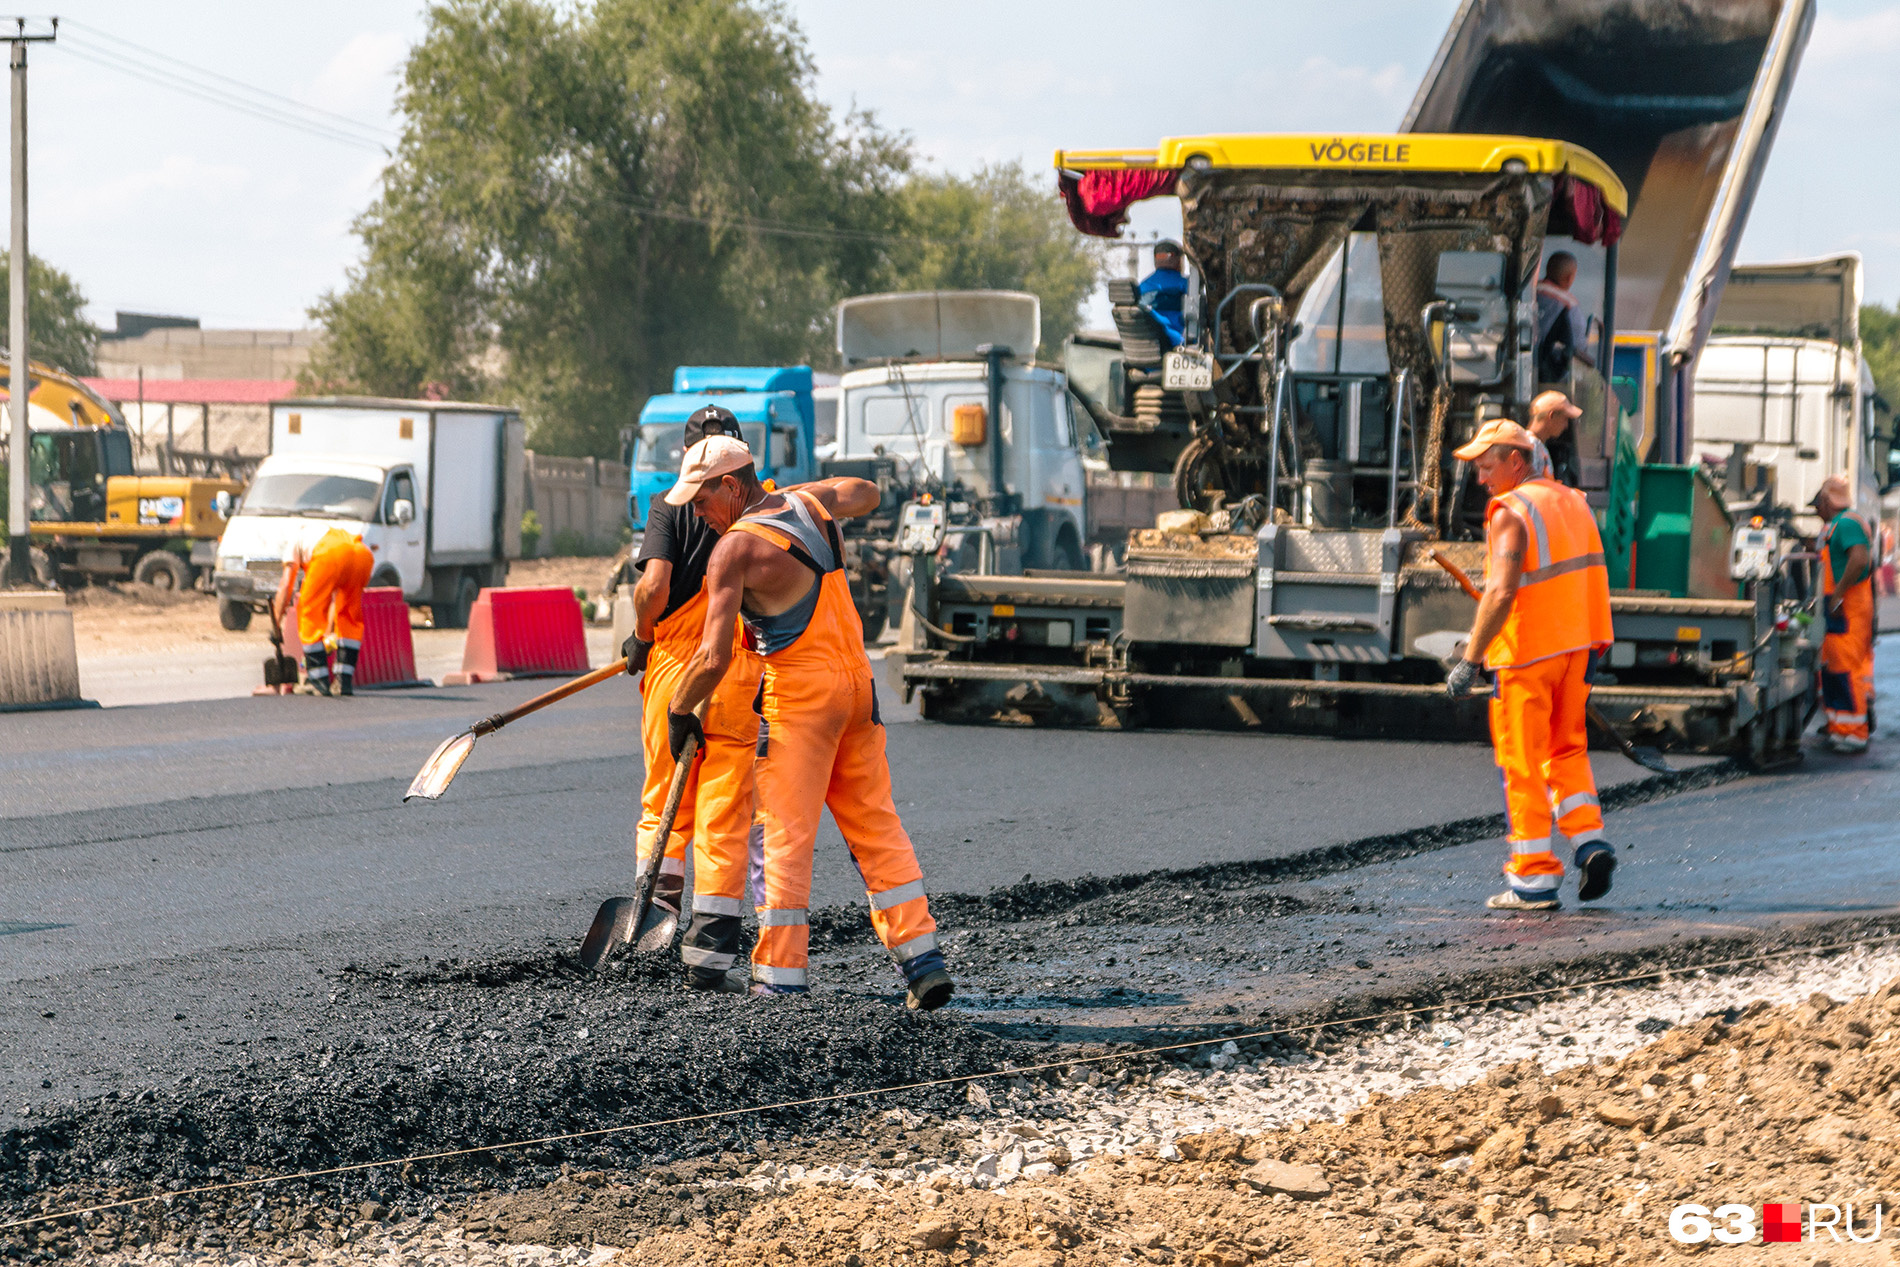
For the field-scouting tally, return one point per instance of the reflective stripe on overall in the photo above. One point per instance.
(1847, 650)
(823, 747)
(1559, 620)
(716, 808)
(338, 570)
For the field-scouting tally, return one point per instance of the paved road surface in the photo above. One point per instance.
(212, 859)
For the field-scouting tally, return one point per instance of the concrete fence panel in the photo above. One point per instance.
(39, 659)
(583, 496)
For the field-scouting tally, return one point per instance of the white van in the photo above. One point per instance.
(434, 488)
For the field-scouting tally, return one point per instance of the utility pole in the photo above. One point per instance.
(19, 382)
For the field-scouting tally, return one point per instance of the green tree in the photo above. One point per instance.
(1880, 344)
(586, 195)
(996, 229)
(57, 329)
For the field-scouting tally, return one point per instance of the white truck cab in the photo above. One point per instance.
(945, 385)
(1784, 384)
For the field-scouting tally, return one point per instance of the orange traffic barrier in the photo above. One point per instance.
(522, 633)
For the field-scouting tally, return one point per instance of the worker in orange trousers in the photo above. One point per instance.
(326, 581)
(780, 564)
(1543, 621)
(1847, 599)
(716, 806)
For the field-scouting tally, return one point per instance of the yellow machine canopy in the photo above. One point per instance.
(1588, 201)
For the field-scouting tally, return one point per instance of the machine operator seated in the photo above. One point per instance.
(1163, 292)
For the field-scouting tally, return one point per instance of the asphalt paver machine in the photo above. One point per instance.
(1359, 305)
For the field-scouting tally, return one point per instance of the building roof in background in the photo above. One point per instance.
(195, 391)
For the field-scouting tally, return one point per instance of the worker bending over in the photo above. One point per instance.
(330, 596)
(1847, 600)
(715, 811)
(780, 564)
(1543, 621)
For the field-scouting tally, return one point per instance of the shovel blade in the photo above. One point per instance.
(612, 926)
(656, 930)
(433, 779)
(1651, 759)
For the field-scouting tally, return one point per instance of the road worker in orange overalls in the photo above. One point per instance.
(716, 808)
(780, 565)
(330, 597)
(1543, 621)
(1847, 600)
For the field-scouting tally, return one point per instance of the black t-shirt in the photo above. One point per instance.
(682, 538)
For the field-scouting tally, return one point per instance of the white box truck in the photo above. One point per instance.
(434, 487)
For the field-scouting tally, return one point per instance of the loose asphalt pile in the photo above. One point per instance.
(473, 1055)
(1560, 1132)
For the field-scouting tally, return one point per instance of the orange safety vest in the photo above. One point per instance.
(821, 630)
(1563, 594)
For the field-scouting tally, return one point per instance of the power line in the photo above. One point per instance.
(1011, 1071)
(130, 51)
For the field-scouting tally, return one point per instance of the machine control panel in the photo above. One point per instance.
(921, 527)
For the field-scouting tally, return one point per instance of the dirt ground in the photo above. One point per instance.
(1580, 1167)
(133, 619)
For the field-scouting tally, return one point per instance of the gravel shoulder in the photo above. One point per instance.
(1558, 1132)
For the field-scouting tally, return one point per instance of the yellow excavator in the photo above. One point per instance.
(91, 516)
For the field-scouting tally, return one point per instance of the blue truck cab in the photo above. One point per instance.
(772, 403)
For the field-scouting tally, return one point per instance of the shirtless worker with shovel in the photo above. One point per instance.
(779, 566)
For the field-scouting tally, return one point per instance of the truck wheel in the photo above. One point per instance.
(1197, 474)
(386, 579)
(454, 614)
(1069, 552)
(234, 615)
(163, 570)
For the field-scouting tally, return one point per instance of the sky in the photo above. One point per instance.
(159, 200)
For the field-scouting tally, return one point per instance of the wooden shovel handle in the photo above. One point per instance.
(488, 725)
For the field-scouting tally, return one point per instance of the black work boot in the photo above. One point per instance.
(346, 670)
(709, 949)
(316, 671)
(928, 979)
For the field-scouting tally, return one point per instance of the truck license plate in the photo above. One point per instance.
(1185, 370)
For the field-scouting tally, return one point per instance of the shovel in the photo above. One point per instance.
(621, 920)
(440, 768)
(1648, 758)
(280, 669)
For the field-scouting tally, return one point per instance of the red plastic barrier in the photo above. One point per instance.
(388, 658)
(523, 633)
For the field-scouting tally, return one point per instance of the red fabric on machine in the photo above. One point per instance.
(1577, 208)
(1098, 201)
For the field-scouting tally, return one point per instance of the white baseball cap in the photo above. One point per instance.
(708, 460)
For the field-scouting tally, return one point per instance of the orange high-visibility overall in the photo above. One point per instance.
(823, 747)
(338, 569)
(715, 811)
(1559, 621)
(1847, 650)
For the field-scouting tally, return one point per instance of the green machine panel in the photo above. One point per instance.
(1682, 534)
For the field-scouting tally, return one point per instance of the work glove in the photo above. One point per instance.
(635, 648)
(680, 726)
(1463, 680)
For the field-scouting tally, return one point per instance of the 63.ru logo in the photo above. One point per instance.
(1737, 1225)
